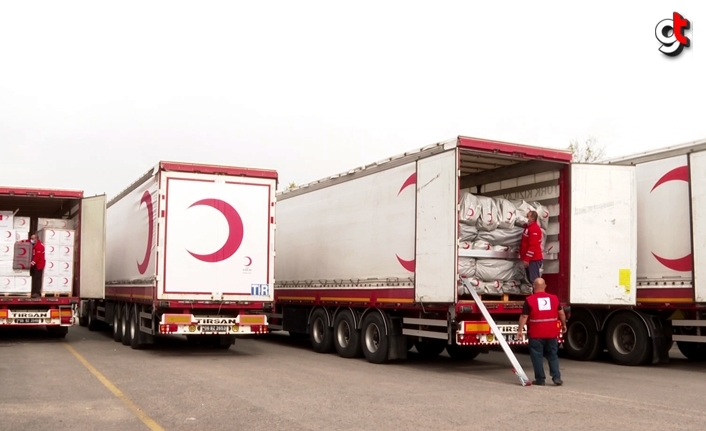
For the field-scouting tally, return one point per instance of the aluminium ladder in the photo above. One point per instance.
(517, 368)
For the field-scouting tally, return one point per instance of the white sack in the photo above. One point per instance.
(542, 215)
(511, 237)
(481, 245)
(466, 267)
(467, 233)
(512, 287)
(470, 209)
(507, 212)
(525, 289)
(481, 287)
(489, 215)
(522, 208)
(496, 269)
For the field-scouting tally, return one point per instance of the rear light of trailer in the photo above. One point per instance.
(3, 314)
(472, 328)
(258, 329)
(66, 315)
(54, 314)
(168, 328)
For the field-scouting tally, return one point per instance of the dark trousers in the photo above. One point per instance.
(539, 349)
(532, 270)
(36, 279)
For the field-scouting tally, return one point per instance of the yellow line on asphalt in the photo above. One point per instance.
(151, 424)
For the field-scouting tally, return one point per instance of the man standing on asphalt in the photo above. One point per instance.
(36, 269)
(543, 312)
(531, 247)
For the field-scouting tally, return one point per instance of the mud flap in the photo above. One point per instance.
(661, 331)
(397, 346)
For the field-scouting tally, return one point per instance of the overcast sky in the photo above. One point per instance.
(91, 96)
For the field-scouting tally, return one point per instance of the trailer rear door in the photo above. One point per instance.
(603, 234)
(697, 163)
(216, 239)
(91, 270)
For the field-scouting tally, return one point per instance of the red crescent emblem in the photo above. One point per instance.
(408, 265)
(147, 200)
(66, 281)
(24, 281)
(235, 231)
(23, 251)
(68, 234)
(682, 264)
(66, 265)
(249, 259)
(9, 234)
(7, 281)
(7, 249)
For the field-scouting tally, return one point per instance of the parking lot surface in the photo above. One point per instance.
(88, 381)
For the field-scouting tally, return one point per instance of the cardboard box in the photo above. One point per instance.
(56, 268)
(6, 269)
(21, 235)
(7, 236)
(7, 252)
(54, 223)
(65, 253)
(57, 236)
(22, 255)
(57, 284)
(6, 219)
(21, 223)
(23, 284)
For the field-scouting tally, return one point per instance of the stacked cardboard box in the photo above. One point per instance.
(13, 281)
(54, 223)
(59, 252)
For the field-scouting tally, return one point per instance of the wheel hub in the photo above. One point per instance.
(372, 338)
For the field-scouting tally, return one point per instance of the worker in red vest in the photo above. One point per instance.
(545, 315)
(36, 269)
(531, 247)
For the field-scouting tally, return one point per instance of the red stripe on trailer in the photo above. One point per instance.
(215, 169)
(515, 149)
(383, 297)
(36, 192)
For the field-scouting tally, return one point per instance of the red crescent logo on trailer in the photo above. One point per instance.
(409, 265)
(147, 200)
(682, 264)
(235, 231)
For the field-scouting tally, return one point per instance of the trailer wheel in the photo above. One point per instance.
(582, 341)
(93, 324)
(117, 327)
(374, 341)
(627, 340)
(430, 347)
(57, 331)
(346, 338)
(136, 336)
(320, 333)
(125, 324)
(462, 353)
(693, 351)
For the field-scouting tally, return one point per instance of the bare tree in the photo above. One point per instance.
(588, 152)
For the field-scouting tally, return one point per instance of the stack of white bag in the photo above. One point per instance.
(59, 251)
(12, 229)
(495, 224)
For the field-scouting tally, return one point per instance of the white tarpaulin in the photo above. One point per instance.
(508, 213)
(470, 209)
(496, 269)
(482, 287)
(466, 267)
(511, 237)
(467, 233)
(489, 215)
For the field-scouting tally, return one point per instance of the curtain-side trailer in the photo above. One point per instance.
(368, 261)
(190, 251)
(70, 227)
(671, 266)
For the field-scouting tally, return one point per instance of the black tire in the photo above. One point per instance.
(462, 353)
(57, 331)
(320, 333)
(627, 340)
(93, 323)
(582, 341)
(693, 351)
(83, 319)
(117, 327)
(224, 342)
(136, 336)
(430, 347)
(374, 342)
(125, 324)
(346, 338)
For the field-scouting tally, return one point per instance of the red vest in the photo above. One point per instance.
(543, 319)
(531, 244)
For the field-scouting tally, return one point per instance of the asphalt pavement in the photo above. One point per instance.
(90, 382)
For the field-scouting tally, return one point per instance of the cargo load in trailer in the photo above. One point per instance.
(669, 303)
(190, 251)
(69, 228)
(368, 261)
